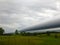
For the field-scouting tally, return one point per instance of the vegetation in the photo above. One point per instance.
(29, 40)
(1, 31)
(48, 33)
(16, 32)
(26, 38)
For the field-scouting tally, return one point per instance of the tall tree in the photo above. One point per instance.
(1, 31)
(48, 33)
(16, 32)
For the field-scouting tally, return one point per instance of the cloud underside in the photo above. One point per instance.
(18, 14)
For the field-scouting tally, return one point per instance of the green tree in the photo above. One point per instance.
(1, 31)
(23, 33)
(48, 33)
(16, 32)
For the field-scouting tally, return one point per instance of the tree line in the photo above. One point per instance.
(28, 33)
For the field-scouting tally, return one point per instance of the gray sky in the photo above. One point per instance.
(19, 14)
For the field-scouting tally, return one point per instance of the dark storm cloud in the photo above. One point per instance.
(45, 25)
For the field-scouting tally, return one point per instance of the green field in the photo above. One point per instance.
(29, 40)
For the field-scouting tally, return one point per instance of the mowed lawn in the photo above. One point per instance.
(29, 40)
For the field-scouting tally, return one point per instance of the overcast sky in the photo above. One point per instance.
(18, 14)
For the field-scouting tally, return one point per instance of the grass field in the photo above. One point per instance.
(29, 40)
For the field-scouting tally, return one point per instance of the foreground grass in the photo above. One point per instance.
(29, 40)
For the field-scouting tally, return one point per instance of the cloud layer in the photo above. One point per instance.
(18, 14)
